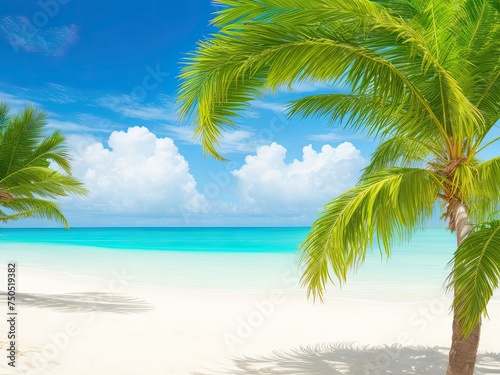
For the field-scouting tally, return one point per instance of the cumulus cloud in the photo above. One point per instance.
(267, 183)
(138, 174)
(22, 34)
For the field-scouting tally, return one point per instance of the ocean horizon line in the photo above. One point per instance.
(191, 227)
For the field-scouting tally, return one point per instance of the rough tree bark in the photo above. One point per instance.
(463, 352)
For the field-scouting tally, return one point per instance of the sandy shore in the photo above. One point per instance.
(68, 325)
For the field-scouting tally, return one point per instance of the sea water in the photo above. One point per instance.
(226, 259)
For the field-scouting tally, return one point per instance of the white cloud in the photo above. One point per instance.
(21, 33)
(272, 106)
(185, 134)
(243, 140)
(270, 185)
(97, 123)
(56, 93)
(77, 127)
(67, 126)
(86, 123)
(14, 102)
(129, 106)
(239, 141)
(49, 92)
(325, 137)
(329, 137)
(138, 174)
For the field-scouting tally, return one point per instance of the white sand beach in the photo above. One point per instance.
(69, 325)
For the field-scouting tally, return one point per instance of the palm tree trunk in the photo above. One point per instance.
(463, 352)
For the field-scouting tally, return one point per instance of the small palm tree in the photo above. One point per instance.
(28, 182)
(423, 79)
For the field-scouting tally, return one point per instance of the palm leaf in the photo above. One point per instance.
(386, 205)
(43, 182)
(486, 200)
(402, 152)
(379, 116)
(475, 274)
(275, 43)
(26, 178)
(19, 137)
(4, 111)
(51, 148)
(208, 90)
(24, 208)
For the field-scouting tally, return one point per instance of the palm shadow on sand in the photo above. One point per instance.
(83, 302)
(345, 358)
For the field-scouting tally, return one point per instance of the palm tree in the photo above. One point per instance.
(423, 81)
(28, 180)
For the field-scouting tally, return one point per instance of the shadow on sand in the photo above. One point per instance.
(345, 358)
(82, 302)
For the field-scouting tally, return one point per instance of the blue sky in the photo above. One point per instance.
(106, 72)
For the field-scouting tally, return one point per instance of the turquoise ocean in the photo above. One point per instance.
(225, 259)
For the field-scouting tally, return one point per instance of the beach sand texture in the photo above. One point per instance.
(79, 325)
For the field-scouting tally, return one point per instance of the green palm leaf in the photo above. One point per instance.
(380, 116)
(386, 205)
(26, 176)
(270, 44)
(402, 152)
(475, 275)
(485, 202)
(33, 208)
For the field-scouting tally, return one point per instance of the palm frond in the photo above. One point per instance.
(26, 179)
(298, 12)
(476, 21)
(486, 199)
(19, 137)
(24, 208)
(380, 116)
(211, 78)
(402, 152)
(51, 148)
(475, 274)
(40, 181)
(269, 44)
(4, 112)
(386, 205)
(478, 55)
(401, 8)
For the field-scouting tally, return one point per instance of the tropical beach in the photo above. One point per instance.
(250, 187)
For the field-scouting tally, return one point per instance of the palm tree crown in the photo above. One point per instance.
(28, 182)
